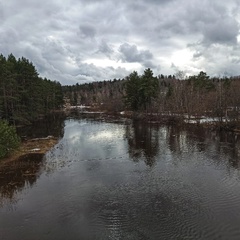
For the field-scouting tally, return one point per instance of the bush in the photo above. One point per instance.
(9, 139)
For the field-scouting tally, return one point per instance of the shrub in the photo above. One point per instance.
(9, 139)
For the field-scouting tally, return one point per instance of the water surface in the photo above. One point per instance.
(126, 181)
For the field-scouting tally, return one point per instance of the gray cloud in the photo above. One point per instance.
(130, 53)
(71, 41)
(197, 55)
(105, 48)
(224, 31)
(87, 31)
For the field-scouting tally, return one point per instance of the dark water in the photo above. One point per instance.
(52, 125)
(126, 181)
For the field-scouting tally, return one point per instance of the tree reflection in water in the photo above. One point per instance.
(52, 124)
(15, 176)
(143, 142)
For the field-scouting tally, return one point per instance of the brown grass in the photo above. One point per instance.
(37, 145)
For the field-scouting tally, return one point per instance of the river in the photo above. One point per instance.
(125, 180)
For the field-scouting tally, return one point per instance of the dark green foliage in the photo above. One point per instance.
(226, 82)
(141, 90)
(149, 88)
(202, 82)
(9, 140)
(23, 94)
(133, 94)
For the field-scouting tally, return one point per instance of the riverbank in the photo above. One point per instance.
(35, 146)
(161, 118)
(39, 146)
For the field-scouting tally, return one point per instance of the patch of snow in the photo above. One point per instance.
(35, 149)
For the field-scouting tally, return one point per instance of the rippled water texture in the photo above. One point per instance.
(126, 181)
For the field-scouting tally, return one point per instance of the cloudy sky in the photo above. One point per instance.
(92, 40)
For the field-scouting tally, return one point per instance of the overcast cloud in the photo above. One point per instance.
(77, 41)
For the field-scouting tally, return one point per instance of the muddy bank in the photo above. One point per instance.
(33, 147)
(158, 118)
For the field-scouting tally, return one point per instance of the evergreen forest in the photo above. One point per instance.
(24, 96)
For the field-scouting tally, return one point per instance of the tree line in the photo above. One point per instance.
(192, 96)
(106, 95)
(186, 96)
(24, 96)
